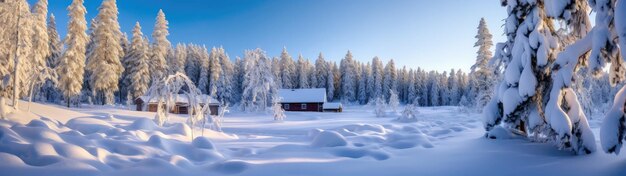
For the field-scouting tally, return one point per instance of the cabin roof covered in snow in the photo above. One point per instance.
(302, 95)
(182, 98)
(329, 105)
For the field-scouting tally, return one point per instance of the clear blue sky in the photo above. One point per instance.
(434, 35)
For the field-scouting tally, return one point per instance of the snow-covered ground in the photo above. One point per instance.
(113, 141)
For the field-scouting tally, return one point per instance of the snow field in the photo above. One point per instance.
(110, 140)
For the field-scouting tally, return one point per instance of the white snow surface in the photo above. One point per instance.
(108, 140)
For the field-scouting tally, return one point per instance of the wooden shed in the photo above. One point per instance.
(181, 105)
(332, 107)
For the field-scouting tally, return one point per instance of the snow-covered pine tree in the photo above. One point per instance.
(177, 64)
(390, 79)
(377, 77)
(106, 53)
(302, 73)
(348, 78)
(160, 47)
(363, 95)
(433, 81)
(225, 83)
(21, 46)
(481, 75)
(403, 84)
(412, 93)
(49, 91)
(288, 67)
(122, 85)
(40, 43)
(138, 69)
(193, 65)
(454, 89)
(203, 79)
(524, 101)
(321, 72)
(238, 79)
(330, 83)
(276, 70)
(72, 62)
(215, 70)
(444, 89)
(258, 83)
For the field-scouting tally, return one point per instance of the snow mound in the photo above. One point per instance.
(203, 142)
(88, 125)
(329, 139)
(499, 132)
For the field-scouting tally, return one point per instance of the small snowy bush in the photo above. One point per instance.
(409, 113)
(380, 107)
(278, 111)
(393, 101)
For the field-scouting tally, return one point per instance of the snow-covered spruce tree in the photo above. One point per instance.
(225, 83)
(444, 89)
(203, 79)
(412, 93)
(258, 83)
(238, 79)
(321, 72)
(454, 89)
(534, 99)
(302, 72)
(177, 63)
(123, 85)
(40, 43)
(106, 53)
(481, 74)
(276, 69)
(390, 79)
(138, 74)
(193, 64)
(288, 67)
(393, 101)
(377, 78)
(433, 95)
(330, 83)
(609, 36)
(215, 70)
(160, 47)
(365, 75)
(348, 78)
(21, 44)
(49, 91)
(72, 62)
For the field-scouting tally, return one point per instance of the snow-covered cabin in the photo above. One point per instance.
(181, 105)
(303, 99)
(332, 107)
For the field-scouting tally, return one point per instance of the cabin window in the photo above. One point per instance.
(303, 106)
(285, 106)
